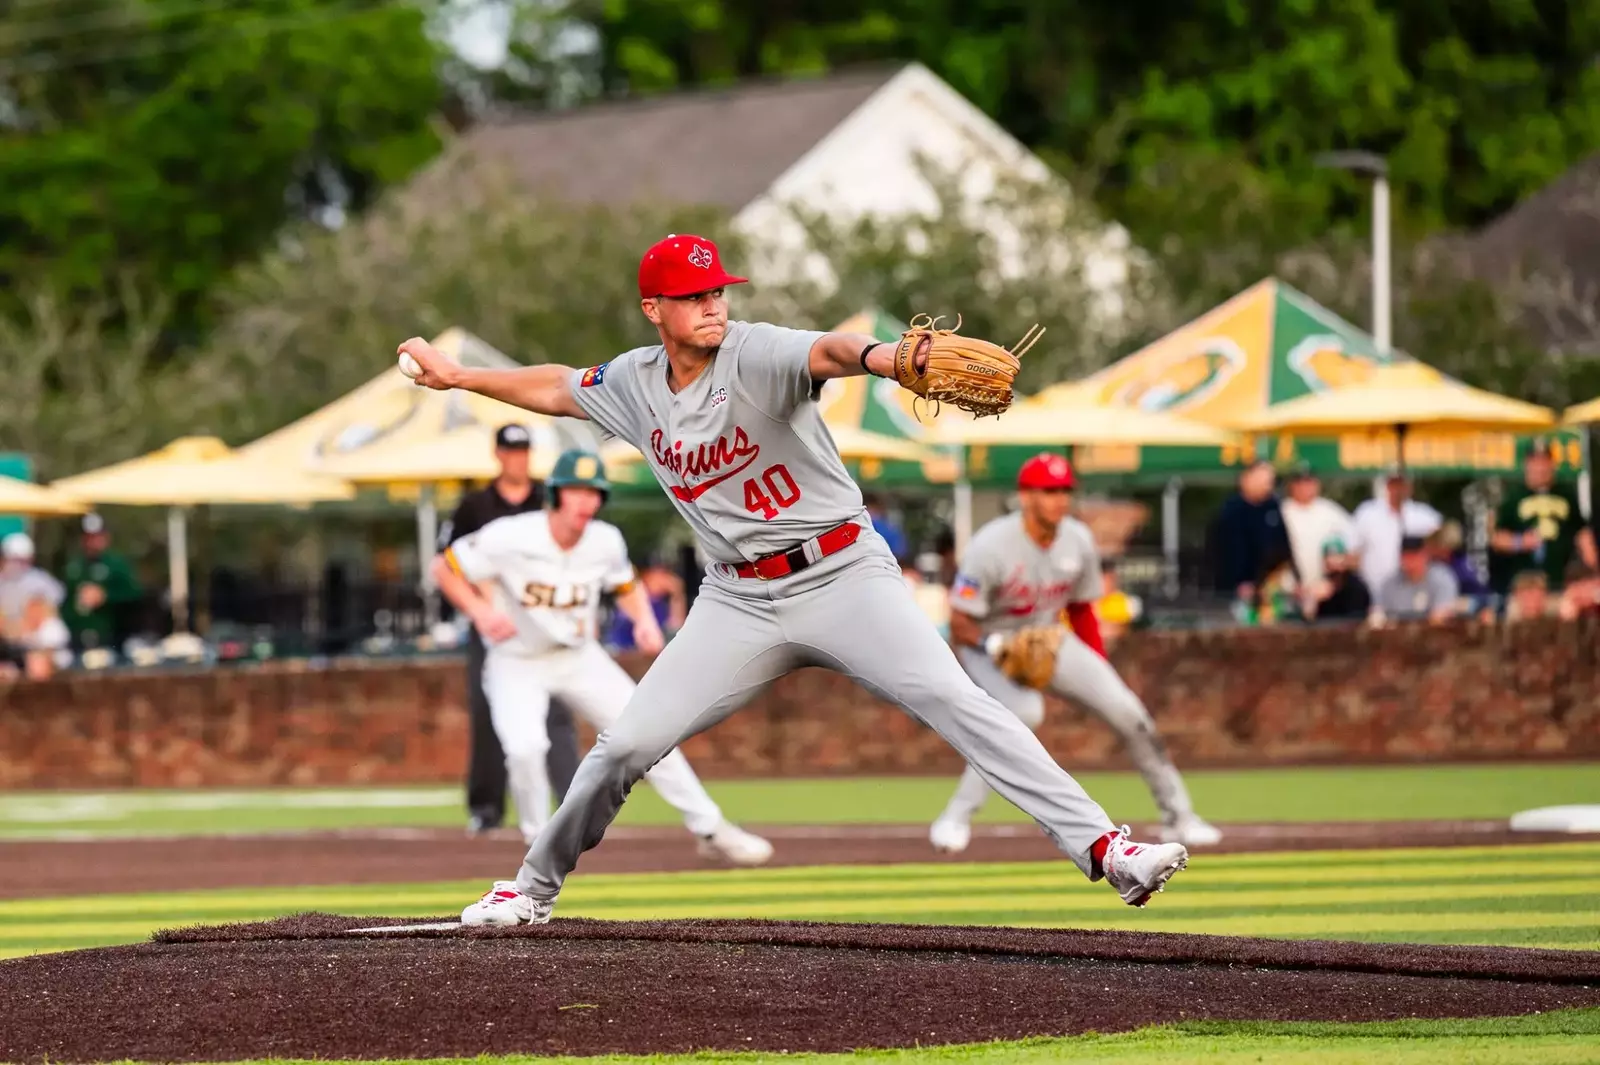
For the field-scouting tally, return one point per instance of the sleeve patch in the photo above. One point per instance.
(594, 375)
(964, 587)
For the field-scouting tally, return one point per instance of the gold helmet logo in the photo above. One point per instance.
(585, 469)
(1186, 378)
(1323, 363)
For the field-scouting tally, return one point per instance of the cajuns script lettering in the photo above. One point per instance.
(1018, 596)
(704, 467)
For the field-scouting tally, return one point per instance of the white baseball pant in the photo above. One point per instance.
(592, 685)
(1085, 677)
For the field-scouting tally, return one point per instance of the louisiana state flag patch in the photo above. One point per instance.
(593, 375)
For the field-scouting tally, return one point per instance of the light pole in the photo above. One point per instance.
(1376, 167)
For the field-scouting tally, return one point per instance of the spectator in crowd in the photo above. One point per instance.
(1248, 540)
(667, 598)
(1311, 520)
(1381, 524)
(933, 598)
(101, 590)
(887, 527)
(513, 491)
(1529, 597)
(1341, 594)
(1447, 545)
(1539, 526)
(1418, 590)
(1581, 596)
(31, 632)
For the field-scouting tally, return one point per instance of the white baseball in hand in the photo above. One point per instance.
(409, 366)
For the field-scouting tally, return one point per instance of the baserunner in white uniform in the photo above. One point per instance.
(544, 572)
(725, 415)
(1023, 571)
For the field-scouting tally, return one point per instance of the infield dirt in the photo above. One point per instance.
(311, 986)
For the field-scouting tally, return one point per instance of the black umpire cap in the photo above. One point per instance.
(513, 437)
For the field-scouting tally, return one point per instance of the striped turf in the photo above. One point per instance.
(1523, 895)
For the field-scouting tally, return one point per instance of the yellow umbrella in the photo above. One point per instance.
(464, 454)
(195, 470)
(199, 469)
(20, 497)
(1583, 413)
(1398, 396)
(1072, 414)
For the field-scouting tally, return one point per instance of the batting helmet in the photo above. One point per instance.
(582, 469)
(1046, 471)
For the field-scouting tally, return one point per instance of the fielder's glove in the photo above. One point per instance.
(943, 366)
(1028, 656)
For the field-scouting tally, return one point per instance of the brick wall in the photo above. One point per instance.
(1221, 698)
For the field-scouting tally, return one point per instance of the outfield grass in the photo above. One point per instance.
(1526, 895)
(1379, 793)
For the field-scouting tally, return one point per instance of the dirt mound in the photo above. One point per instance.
(307, 987)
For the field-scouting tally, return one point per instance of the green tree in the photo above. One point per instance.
(168, 142)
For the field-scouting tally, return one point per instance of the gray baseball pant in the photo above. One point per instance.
(1086, 678)
(851, 613)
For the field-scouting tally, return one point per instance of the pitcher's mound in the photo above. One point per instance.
(323, 986)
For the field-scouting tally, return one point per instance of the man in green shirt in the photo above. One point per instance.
(100, 589)
(1539, 525)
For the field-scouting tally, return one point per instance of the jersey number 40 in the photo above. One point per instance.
(774, 491)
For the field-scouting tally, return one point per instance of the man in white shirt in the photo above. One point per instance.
(1312, 520)
(541, 575)
(1380, 525)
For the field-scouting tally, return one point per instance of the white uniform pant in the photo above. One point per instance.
(592, 685)
(1085, 677)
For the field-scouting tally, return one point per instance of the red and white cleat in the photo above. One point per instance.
(504, 906)
(1139, 870)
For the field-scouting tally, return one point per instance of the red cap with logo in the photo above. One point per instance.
(682, 264)
(1046, 471)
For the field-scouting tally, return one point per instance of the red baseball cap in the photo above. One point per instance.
(1046, 471)
(682, 264)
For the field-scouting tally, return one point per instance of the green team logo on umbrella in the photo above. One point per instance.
(1322, 362)
(1184, 379)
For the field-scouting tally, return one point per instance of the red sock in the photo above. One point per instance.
(1098, 851)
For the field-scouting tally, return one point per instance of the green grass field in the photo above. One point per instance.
(1380, 793)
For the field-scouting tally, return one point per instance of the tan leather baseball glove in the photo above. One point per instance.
(1028, 656)
(943, 366)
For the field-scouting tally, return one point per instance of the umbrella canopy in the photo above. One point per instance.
(464, 454)
(31, 500)
(1074, 414)
(1583, 413)
(1405, 394)
(194, 470)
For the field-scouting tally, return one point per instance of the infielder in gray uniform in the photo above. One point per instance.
(725, 415)
(1022, 573)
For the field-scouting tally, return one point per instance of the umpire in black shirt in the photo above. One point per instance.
(512, 492)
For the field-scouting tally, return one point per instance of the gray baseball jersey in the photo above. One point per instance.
(1009, 582)
(742, 451)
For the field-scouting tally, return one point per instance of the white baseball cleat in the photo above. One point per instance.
(950, 837)
(733, 844)
(1139, 870)
(1192, 832)
(503, 906)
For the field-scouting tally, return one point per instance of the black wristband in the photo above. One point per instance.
(864, 353)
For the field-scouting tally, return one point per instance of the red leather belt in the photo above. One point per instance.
(783, 563)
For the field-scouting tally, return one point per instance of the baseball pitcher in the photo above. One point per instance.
(725, 414)
(1016, 579)
(546, 570)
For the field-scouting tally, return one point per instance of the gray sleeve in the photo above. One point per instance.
(46, 587)
(976, 578)
(607, 394)
(775, 367)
